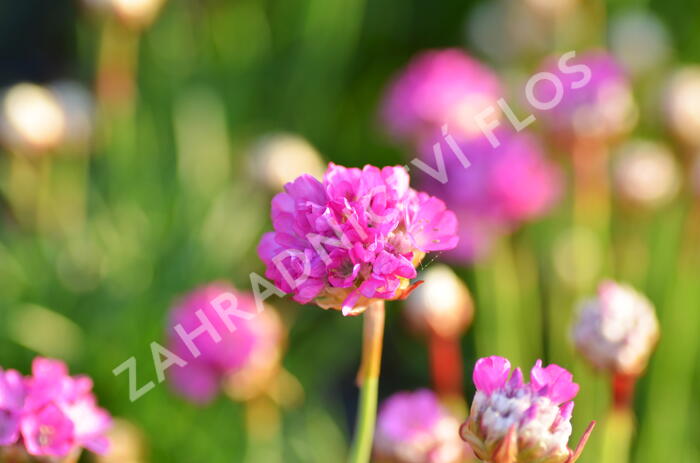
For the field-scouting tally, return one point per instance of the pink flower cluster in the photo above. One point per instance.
(602, 108)
(251, 350)
(439, 87)
(413, 427)
(500, 189)
(529, 421)
(51, 413)
(356, 236)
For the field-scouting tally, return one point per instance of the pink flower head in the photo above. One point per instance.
(245, 341)
(500, 189)
(439, 87)
(354, 237)
(531, 422)
(51, 413)
(412, 427)
(597, 103)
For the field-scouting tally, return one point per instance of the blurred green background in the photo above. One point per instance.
(97, 241)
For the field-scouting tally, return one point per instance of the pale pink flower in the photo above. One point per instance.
(439, 87)
(354, 237)
(511, 420)
(251, 349)
(617, 330)
(413, 427)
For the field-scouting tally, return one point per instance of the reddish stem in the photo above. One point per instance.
(623, 390)
(446, 365)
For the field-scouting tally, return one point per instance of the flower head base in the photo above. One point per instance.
(355, 237)
(241, 360)
(412, 427)
(618, 330)
(50, 414)
(513, 421)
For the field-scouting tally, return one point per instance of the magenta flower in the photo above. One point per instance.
(511, 420)
(250, 348)
(602, 107)
(439, 87)
(355, 237)
(502, 188)
(51, 413)
(12, 394)
(412, 427)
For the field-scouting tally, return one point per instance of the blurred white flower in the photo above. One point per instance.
(441, 305)
(646, 173)
(683, 104)
(278, 158)
(32, 118)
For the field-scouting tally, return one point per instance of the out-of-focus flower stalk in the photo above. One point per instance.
(263, 425)
(499, 328)
(116, 68)
(675, 358)
(446, 365)
(441, 310)
(591, 208)
(368, 380)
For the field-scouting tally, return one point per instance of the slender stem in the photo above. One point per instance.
(617, 435)
(368, 379)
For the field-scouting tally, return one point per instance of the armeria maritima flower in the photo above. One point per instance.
(413, 427)
(516, 422)
(617, 330)
(502, 188)
(355, 237)
(50, 414)
(439, 87)
(241, 358)
(596, 98)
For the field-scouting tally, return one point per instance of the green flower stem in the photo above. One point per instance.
(618, 434)
(368, 379)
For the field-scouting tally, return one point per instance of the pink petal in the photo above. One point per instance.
(491, 373)
(554, 381)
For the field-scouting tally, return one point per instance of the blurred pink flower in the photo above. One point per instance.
(253, 345)
(355, 237)
(413, 427)
(528, 421)
(51, 413)
(602, 108)
(12, 393)
(439, 87)
(502, 188)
